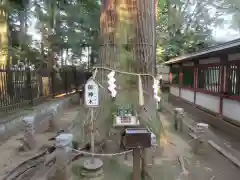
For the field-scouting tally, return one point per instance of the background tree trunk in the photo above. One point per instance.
(3, 49)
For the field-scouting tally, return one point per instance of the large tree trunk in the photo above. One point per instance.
(131, 24)
(4, 37)
(124, 35)
(3, 51)
(23, 30)
(145, 51)
(145, 38)
(51, 48)
(127, 44)
(107, 26)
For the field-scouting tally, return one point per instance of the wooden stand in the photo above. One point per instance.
(137, 139)
(136, 164)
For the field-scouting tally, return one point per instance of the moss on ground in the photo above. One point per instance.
(113, 169)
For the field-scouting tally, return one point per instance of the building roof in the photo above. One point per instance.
(223, 46)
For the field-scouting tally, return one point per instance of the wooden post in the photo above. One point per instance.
(195, 80)
(141, 103)
(92, 136)
(170, 74)
(222, 81)
(144, 162)
(91, 97)
(175, 120)
(180, 80)
(136, 164)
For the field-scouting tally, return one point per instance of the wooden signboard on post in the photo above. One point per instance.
(92, 101)
(137, 139)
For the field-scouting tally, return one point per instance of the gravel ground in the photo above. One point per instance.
(207, 165)
(10, 155)
(192, 115)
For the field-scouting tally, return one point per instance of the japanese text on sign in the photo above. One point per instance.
(91, 93)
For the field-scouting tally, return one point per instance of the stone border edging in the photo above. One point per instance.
(44, 112)
(222, 151)
(13, 172)
(219, 149)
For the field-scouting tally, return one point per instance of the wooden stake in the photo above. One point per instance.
(136, 164)
(92, 135)
(144, 162)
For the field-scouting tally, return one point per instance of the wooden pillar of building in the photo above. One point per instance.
(170, 74)
(195, 79)
(223, 80)
(180, 79)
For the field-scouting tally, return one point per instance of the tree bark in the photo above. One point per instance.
(145, 51)
(4, 51)
(145, 38)
(51, 53)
